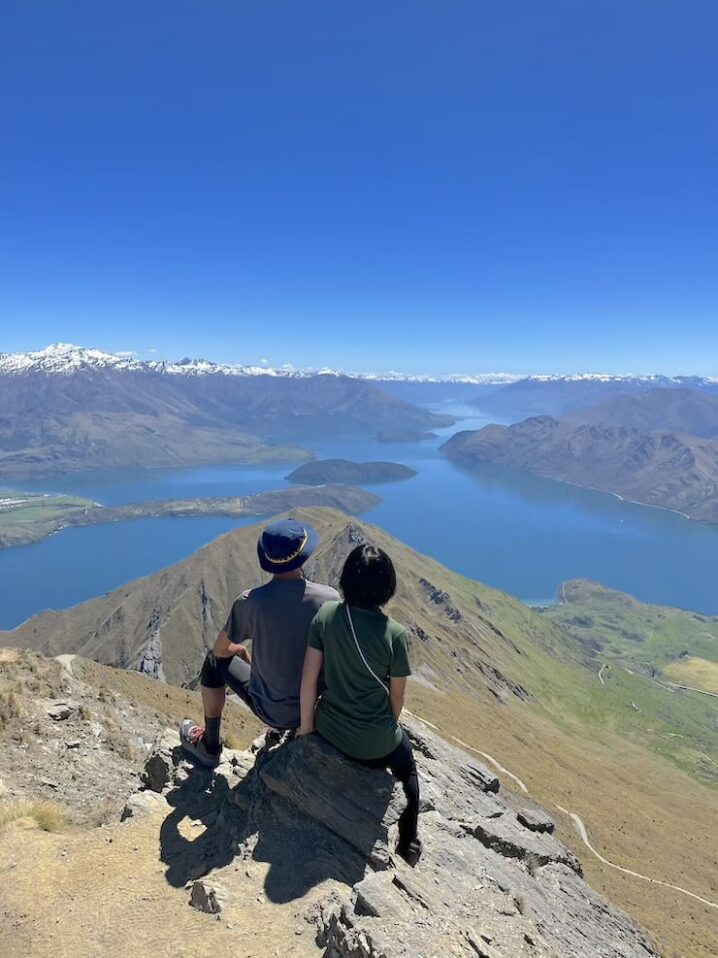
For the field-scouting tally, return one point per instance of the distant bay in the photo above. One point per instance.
(511, 530)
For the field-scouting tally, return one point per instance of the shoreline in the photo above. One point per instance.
(350, 499)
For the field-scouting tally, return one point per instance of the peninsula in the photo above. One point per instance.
(664, 469)
(27, 518)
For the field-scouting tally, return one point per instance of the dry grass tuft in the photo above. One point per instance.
(47, 815)
(103, 814)
(10, 707)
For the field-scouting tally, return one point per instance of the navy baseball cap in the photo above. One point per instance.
(285, 545)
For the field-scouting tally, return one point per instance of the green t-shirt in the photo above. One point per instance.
(354, 713)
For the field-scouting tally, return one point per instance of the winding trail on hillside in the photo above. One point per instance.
(578, 823)
(581, 829)
(687, 688)
(492, 760)
(489, 758)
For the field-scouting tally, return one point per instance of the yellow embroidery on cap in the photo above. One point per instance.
(294, 555)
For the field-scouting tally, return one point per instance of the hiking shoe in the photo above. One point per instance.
(411, 853)
(192, 739)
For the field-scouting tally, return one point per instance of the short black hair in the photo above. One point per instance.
(368, 578)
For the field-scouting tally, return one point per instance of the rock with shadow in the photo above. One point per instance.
(494, 880)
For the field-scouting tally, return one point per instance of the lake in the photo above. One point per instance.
(511, 530)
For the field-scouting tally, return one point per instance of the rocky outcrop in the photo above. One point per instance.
(493, 881)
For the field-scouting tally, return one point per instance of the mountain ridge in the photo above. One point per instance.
(662, 469)
(678, 410)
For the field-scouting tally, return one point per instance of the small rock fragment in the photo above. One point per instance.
(206, 897)
(141, 803)
(60, 712)
(535, 821)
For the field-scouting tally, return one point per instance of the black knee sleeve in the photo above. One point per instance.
(212, 675)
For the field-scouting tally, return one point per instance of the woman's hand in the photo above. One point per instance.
(304, 730)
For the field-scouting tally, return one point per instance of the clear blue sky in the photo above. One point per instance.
(428, 186)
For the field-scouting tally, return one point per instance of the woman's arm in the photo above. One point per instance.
(310, 689)
(397, 689)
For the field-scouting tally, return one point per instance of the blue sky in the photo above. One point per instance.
(431, 187)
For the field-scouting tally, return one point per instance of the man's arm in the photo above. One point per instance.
(397, 690)
(224, 649)
(310, 689)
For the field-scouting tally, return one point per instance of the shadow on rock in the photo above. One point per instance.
(264, 818)
(200, 801)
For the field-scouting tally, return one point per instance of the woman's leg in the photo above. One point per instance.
(402, 765)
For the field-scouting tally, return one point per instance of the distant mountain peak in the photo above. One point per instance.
(64, 359)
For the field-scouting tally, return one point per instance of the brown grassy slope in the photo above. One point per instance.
(640, 812)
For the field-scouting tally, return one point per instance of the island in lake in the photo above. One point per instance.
(404, 435)
(30, 517)
(321, 471)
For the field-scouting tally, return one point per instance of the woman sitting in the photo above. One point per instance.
(365, 660)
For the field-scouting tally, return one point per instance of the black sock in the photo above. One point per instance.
(211, 734)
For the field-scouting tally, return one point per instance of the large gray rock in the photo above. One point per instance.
(356, 803)
(492, 882)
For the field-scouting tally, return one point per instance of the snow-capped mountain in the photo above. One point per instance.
(65, 359)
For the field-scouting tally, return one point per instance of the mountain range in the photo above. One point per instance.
(689, 411)
(670, 470)
(561, 396)
(66, 409)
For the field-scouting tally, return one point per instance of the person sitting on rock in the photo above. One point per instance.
(364, 657)
(276, 616)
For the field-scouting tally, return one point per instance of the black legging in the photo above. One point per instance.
(402, 766)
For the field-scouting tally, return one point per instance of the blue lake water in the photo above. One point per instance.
(509, 529)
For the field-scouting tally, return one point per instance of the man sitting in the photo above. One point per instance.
(276, 617)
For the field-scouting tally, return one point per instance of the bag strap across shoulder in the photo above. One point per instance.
(359, 650)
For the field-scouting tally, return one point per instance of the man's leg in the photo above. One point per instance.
(204, 742)
(216, 675)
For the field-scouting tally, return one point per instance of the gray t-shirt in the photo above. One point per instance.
(276, 617)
